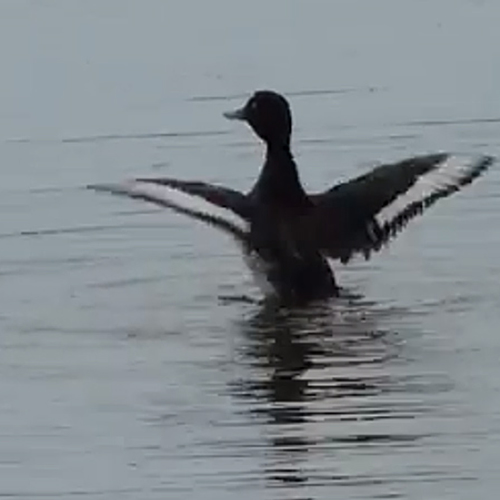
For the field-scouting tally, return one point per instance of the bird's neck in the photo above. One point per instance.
(279, 181)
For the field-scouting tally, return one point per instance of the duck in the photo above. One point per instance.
(289, 237)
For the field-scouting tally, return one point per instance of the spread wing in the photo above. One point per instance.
(363, 214)
(221, 207)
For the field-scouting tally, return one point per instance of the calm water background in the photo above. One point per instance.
(122, 376)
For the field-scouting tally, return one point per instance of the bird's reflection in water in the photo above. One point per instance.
(305, 368)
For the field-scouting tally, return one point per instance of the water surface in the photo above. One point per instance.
(121, 373)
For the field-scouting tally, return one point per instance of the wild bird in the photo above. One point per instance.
(287, 235)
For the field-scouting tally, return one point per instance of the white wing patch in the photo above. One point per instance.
(449, 175)
(180, 201)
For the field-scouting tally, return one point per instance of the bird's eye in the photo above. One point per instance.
(253, 105)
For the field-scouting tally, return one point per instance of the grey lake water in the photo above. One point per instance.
(122, 373)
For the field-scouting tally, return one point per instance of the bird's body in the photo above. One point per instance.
(278, 231)
(287, 235)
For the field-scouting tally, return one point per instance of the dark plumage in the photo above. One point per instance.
(286, 234)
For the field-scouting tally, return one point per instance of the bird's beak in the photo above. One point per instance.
(237, 114)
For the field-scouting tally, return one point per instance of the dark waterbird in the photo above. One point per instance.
(286, 234)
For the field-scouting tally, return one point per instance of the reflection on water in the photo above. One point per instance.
(117, 376)
(315, 377)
